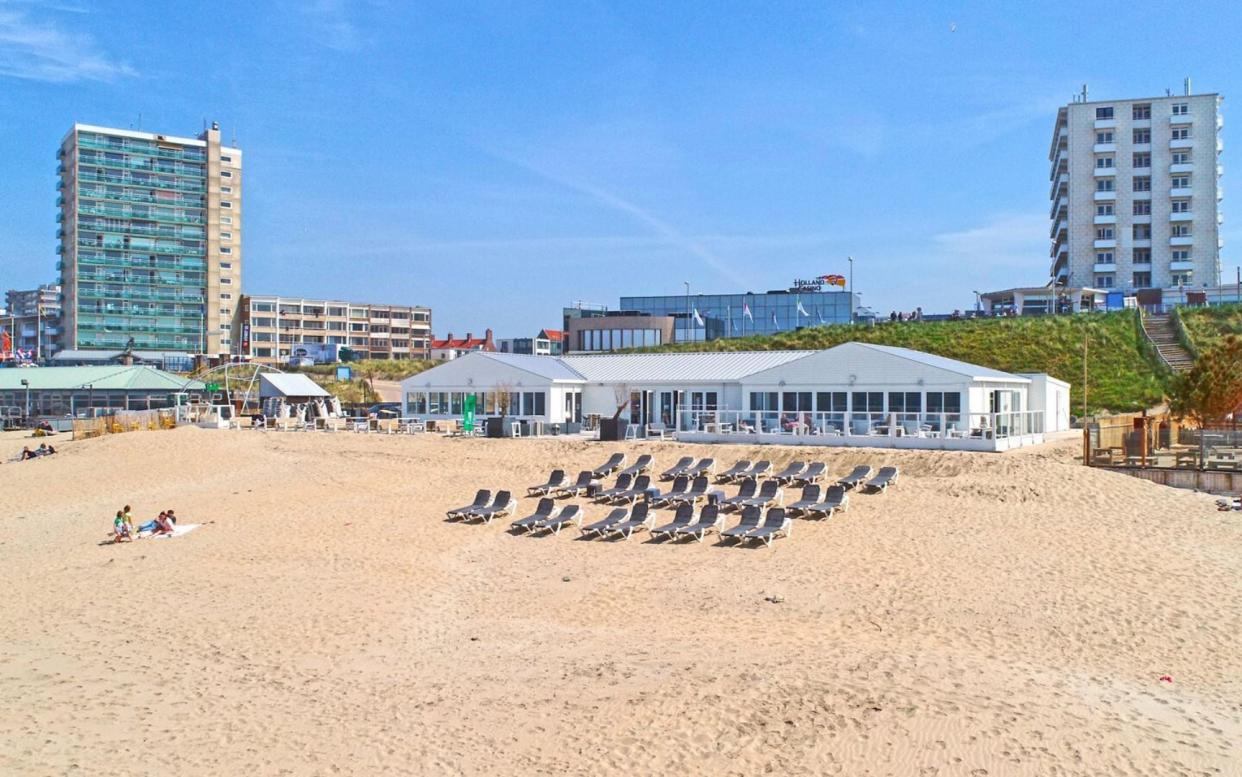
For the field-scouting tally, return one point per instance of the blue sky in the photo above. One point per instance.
(500, 160)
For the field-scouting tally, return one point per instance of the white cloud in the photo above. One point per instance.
(335, 28)
(1010, 240)
(41, 51)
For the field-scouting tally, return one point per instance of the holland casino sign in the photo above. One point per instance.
(817, 283)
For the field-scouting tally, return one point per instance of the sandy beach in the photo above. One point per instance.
(993, 614)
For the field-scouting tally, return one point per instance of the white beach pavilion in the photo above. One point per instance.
(855, 394)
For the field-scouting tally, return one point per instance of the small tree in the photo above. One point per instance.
(1211, 390)
(504, 398)
(621, 395)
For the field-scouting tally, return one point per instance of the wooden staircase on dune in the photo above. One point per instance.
(1163, 336)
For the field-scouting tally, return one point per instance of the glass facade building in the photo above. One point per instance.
(150, 240)
(742, 315)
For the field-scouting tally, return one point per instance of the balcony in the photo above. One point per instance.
(1105, 196)
(1141, 219)
(1141, 147)
(1059, 226)
(1106, 219)
(1182, 240)
(1181, 192)
(1104, 267)
(1141, 123)
(1106, 124)
(1182, 143)
(1140, 195)
(1141, 242)
(1180, 118)
(1105, 172)
(1181, 216)
(1141, 266)
(1104, 148)
(1181, 266)
(1182, 168)
(1106, 243)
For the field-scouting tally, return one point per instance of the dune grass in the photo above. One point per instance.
(1204, 327)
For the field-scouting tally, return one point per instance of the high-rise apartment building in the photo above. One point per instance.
(1135, 193)
(32, 318)
(268, 329)
(150, 241)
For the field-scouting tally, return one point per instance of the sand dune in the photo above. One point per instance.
(992, 614)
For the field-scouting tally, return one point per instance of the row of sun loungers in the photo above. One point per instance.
(624, 522)
(688, 467)
(484, 507)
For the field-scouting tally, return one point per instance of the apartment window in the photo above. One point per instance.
(1181, 255)
(1142, 207)
(225, 174)
(226, 235)
(1142, 183)
(226, 295)
(1104, 209)
(1104, 233)
(1104, 257)
(1104, 281)
(1104, 185)
(1142, 160)
(1141, 112)
(1142, 280)
(1142, 231)
(1141, 256)
(226, 281)
(1181, 157)
(1181, 133)
(226, 312)
(1181, 109)
(224, 327)
(1103, 162)
(226, 189)
(1183, 278)
(1181, 182)
(226, 250)
(1181, 230)
(338, 312)
(1141, 136)
(226, 265)
(226, 204)
(1181, 206)
(1104, 137)
(226, 159)
(1104, 113)
(226, 219)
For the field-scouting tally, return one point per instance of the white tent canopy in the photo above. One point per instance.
(289, 386)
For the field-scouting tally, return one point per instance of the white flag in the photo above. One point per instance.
(802, 310)
(698, 320)
(746, 312)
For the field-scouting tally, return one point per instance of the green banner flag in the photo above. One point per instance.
(467, 415)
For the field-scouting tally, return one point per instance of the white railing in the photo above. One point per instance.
(992, 426)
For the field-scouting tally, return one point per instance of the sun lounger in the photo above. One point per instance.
(481, 499)
(502, 505)
(545, 510)
(681, 519)
(835, 498)
(622, 486)
(554, 523)
(733, 472)
(760, 470)
(642, 484)
(793, 470)
(614, 463)
(555, 481)
(749, 490)
(640, 518)
(813, 473)
(618, 515)
(639, 467)
(704, 467)
(697, 491)
(679, 468)
(809, 498)
(855, 478)
(770, 494)
(886, 477)
(751, 515)
(579, 487)
(710, 520)
(775, 524)
(680, 486)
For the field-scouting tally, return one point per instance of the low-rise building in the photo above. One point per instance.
(269, 328)
(452, 347)
(33, 320)
(549, 342)
(606, 331)
(58, 391)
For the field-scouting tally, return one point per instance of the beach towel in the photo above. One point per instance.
(177, 531)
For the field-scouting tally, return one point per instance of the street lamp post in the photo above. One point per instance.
(978, 303)
(688, 321)
(26, 385)
(851, 261)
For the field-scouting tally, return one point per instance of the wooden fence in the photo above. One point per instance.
(124, 421)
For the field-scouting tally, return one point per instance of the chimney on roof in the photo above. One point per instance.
(469, 335)
(1186, 84)
(449, 336)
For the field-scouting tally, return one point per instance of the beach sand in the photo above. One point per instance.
(992, 614)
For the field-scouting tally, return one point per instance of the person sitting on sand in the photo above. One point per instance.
(172, 518)
(162, 525)
(27, 453)
(121, 531)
